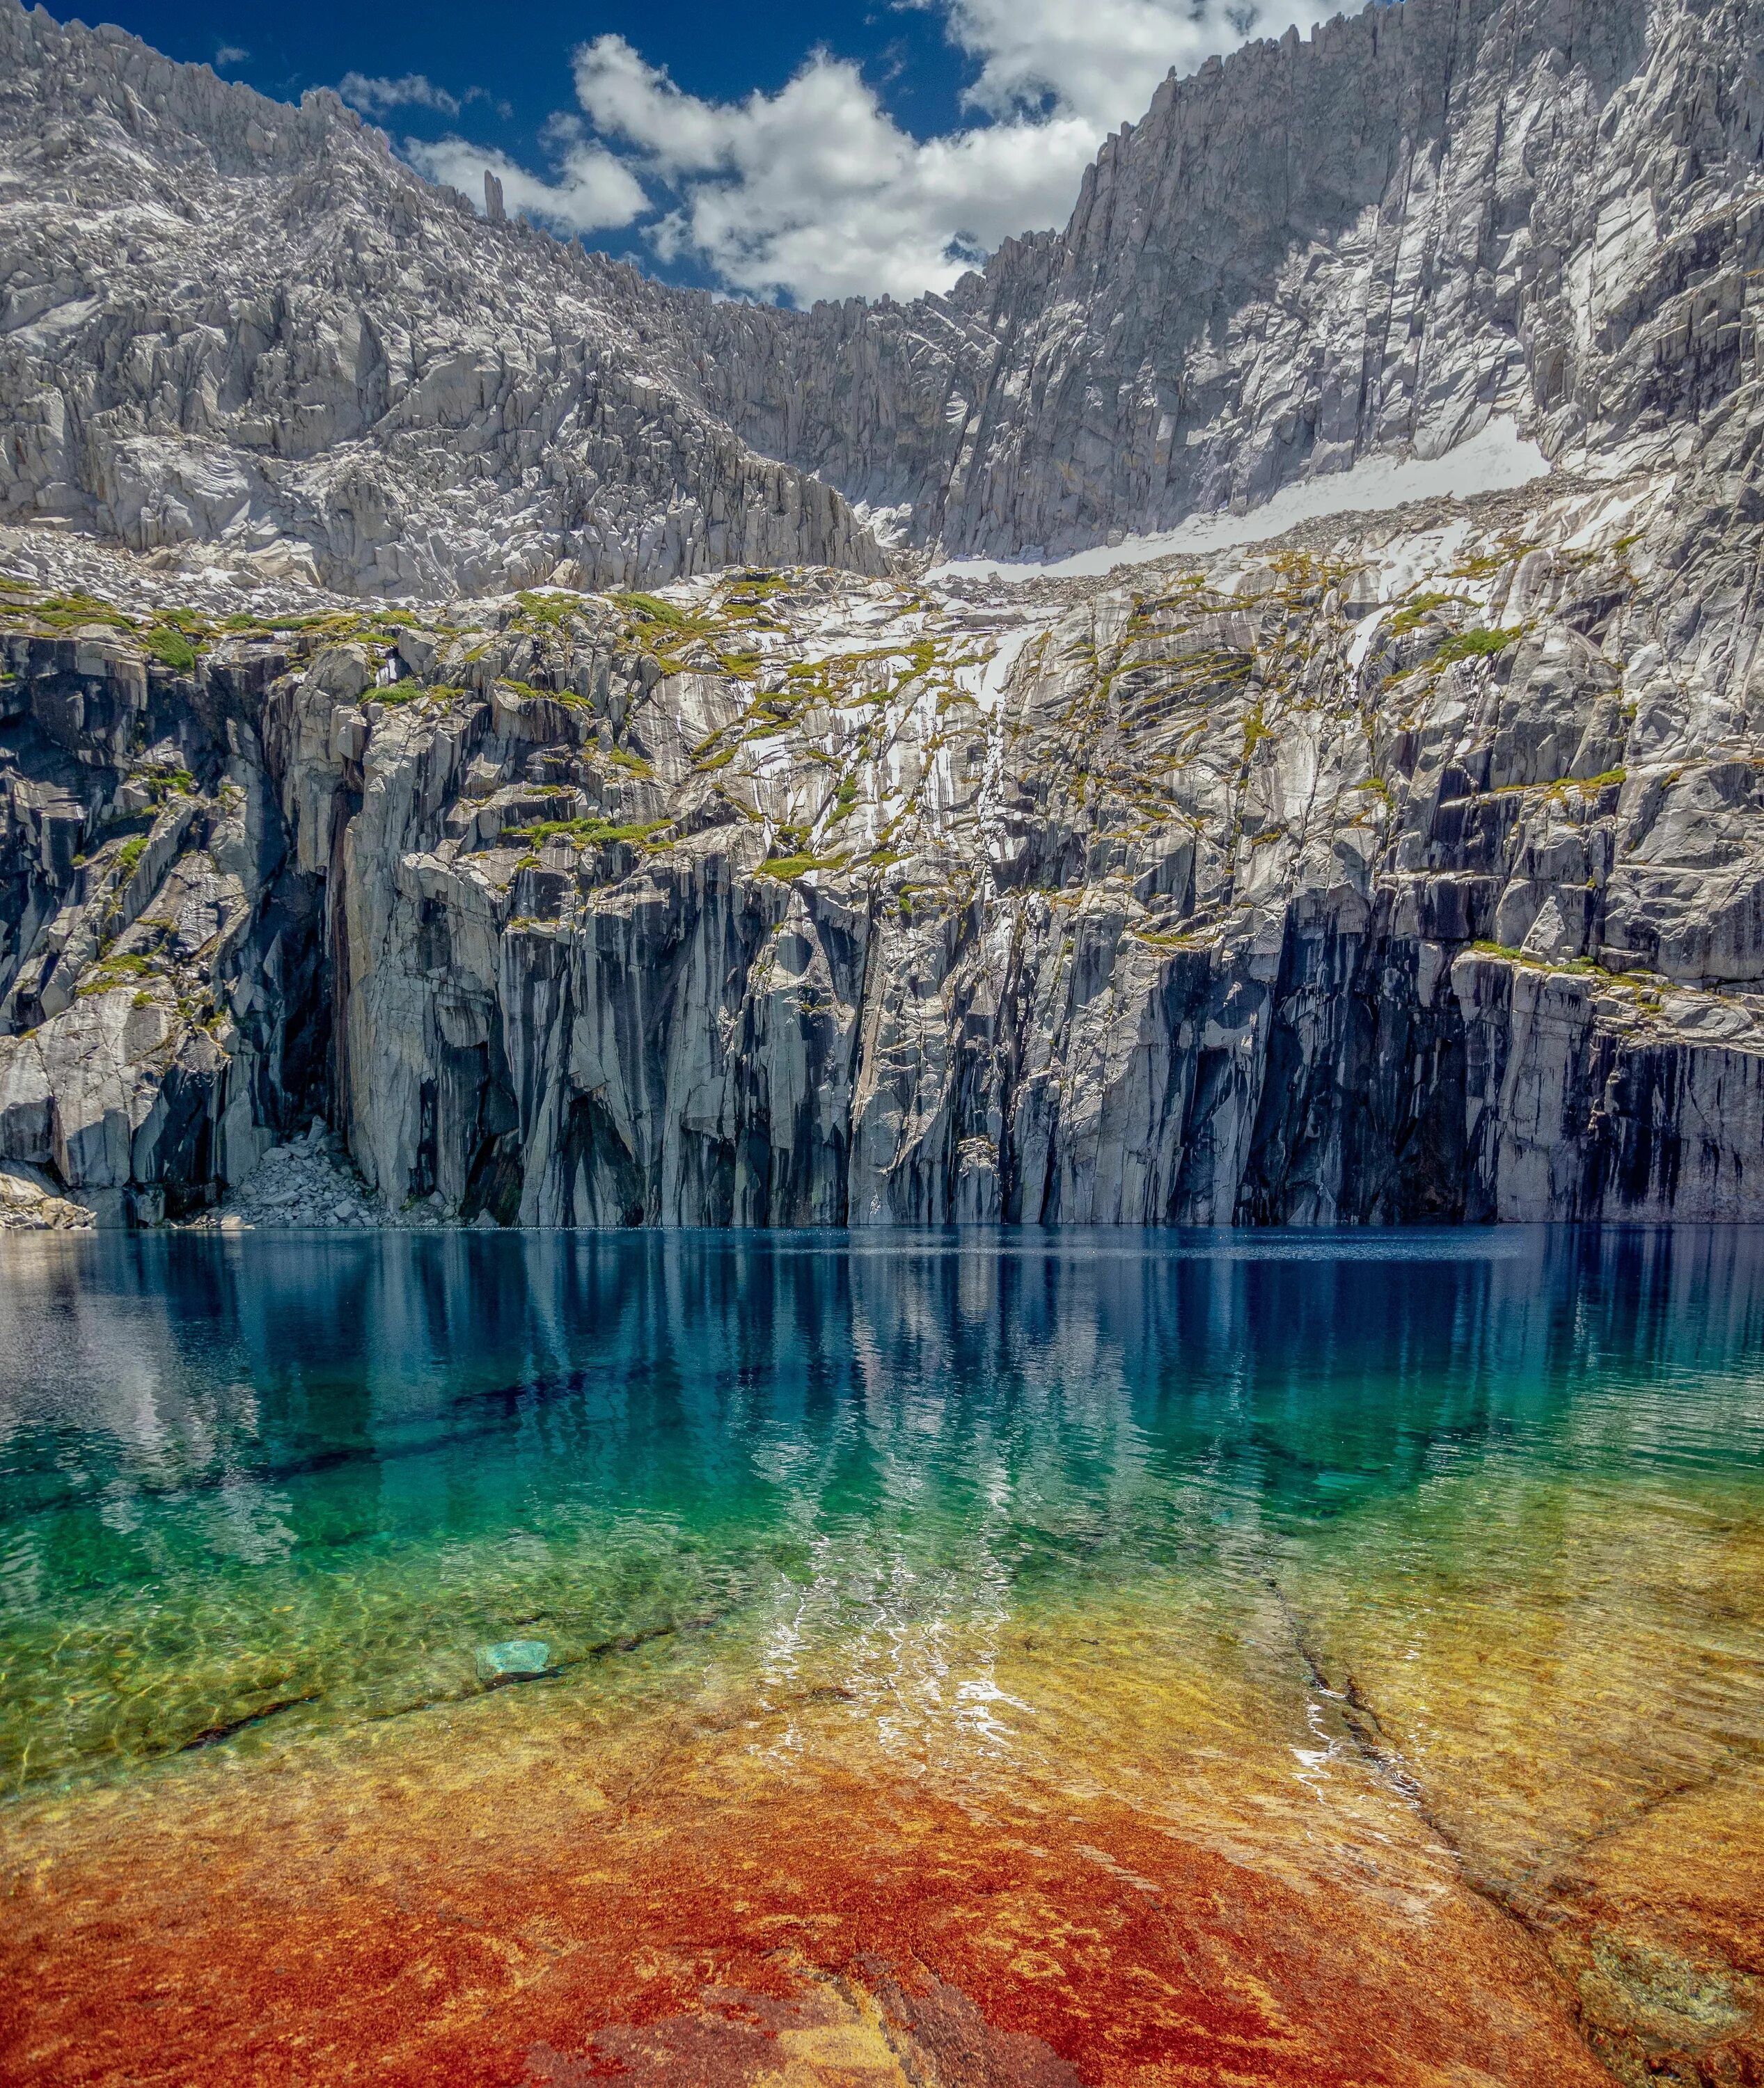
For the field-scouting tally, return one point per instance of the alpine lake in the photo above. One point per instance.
(969, 1660)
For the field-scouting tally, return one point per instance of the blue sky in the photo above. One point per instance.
(782, 151)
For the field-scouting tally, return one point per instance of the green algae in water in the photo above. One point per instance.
(250, 1486)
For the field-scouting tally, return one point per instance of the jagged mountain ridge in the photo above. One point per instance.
(1375, 239)
(257, 328)
(227, 321)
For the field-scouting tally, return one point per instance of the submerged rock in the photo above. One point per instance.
(513, 1660)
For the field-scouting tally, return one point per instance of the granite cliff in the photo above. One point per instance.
(507, 711)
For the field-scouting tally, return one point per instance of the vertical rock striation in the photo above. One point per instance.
(1406, 868)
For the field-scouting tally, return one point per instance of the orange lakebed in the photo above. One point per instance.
(1056, 1856)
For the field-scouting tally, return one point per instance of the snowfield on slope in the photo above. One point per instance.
(1496, 459)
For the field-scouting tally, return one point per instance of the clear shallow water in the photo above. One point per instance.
(1278, 1657)
(309, 1476)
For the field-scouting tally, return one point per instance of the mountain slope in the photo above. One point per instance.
(231, 322)
(228, 321)
(1425, 216)
(1410, 867)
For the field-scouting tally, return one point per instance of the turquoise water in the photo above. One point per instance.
(253, 1483)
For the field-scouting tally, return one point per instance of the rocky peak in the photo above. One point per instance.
(1372, 241)
(230, 322)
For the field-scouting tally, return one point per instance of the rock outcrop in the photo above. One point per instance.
(1411, 873)
(1406, 868)
(225, 321)
(229, 322)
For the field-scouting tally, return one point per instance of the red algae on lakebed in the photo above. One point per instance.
(718, 1888)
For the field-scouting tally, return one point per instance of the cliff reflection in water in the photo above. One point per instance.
(1292, 1355)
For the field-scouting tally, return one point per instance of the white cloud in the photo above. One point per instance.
(1101, 58)
(593, 192)
(413, 90)
(231, 54)
(816, 191)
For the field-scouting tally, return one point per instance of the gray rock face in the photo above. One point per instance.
(28, 1204)
(1408, 867)
(226, 321)
(1408, 871)
(1426, 216)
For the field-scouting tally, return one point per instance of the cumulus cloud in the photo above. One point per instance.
(231, 54)
(413, 90)
(1101, 58)
(816, 191)
(594, 192)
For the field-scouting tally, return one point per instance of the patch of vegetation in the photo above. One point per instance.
(1419, 607)
(651, 608)
(552, 612)
(67, 612)
(1557, 787)
(1477, 645)
(1581, 967)
(1160, 941)
(788, 867)
(792, 856)
(171, 647)
(528, 693)
(129, 858)
(1484, 565)
(586, 832)
(113, 972)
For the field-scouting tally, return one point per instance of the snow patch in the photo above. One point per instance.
(997, 671)
(1605, 519)
(1361, 648)
(1413, 559)
(1492, 461)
